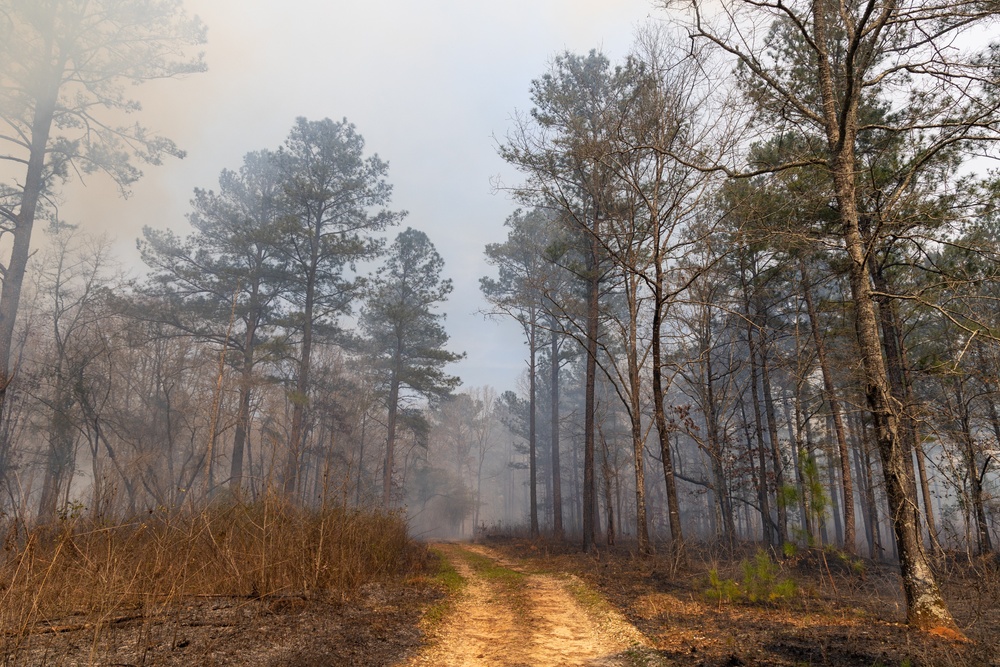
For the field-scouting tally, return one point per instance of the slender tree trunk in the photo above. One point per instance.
(869, 509)
(925, 492)
(801, 456)
(590, 400)
(243, 417)
(847, 486)
(390, 440)
(300, 399)
(59, 460)
(835, 499)
(925, 605)
(532, 458)
(659, 417)
(762, 491)
(978, 511)
(772, 433)
(635, 418)
(608, 475)
(718, 471)
(361, 459)
(577, 504)
(479, 496)
(895, 363)
(557, 515)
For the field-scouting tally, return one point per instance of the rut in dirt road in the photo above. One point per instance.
(505, 617)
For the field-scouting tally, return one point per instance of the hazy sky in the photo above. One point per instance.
(428, 84)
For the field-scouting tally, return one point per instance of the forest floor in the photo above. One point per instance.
(376, 626)
(518, 603)
(812, 608)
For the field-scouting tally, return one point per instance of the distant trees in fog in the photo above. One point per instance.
(232, 369)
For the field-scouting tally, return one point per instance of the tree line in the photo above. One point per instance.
(767, 240)
(257, 355)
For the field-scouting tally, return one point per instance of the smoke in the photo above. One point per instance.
(427, 84)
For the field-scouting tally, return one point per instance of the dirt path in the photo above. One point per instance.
(507, 617)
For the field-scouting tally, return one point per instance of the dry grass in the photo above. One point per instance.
(85, 573)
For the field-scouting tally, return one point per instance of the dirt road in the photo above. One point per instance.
(505, 616)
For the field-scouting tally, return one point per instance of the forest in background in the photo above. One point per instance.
(755, 270)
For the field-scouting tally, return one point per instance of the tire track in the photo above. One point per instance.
(534, 622)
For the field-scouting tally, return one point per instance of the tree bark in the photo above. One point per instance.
(830, 393)
(246, 388)
(659, 417)
(590, 399)
(925, 606)
(961, 410)
(777, 461)
(800, 456)
(301, 397)
(392, 405)
(532, 458)
(557, 514)
(762, 490)
(607, 473)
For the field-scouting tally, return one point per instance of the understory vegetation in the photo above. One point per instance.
(92, 573)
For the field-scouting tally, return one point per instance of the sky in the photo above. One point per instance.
(430, 85)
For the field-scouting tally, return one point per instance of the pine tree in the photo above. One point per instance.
(405, 335)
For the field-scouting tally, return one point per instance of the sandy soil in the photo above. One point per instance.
(526, 619)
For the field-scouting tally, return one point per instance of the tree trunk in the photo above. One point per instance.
(895, 363)
(590, 400)
(532, 458)
(32, 189)
(925, 492)
(776, 459)
(801, 456)
(925, 607)
(847, 486)
(961, 410)
(608, 474)
(557, 517)
(301, 397)
(659, 417)
(762, 491)
(635, 418)
(60, 459)
(863, 469)
(243, 417)
(392, 405)
(715, 454)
